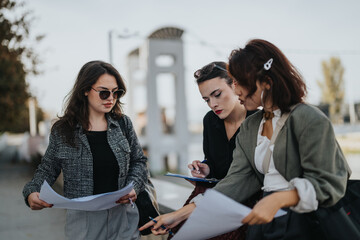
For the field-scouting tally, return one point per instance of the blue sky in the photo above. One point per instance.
(307, 32)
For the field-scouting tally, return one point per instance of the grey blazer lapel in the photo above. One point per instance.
(249, 137)
(279, 154)
(284, 147)
(83, 138)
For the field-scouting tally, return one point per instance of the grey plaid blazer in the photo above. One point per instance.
(77, 163)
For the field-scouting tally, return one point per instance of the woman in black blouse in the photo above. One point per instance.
(221, 126)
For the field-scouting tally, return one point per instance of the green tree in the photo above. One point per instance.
(17, 61)
(332, 86)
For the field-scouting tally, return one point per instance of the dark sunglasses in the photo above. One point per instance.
(105, 94)
(207, 70)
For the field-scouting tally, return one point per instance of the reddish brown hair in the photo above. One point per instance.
(246, 66)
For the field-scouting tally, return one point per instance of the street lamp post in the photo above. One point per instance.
(124, 35)
(110, 47)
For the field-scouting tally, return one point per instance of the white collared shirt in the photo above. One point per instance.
(274, 181)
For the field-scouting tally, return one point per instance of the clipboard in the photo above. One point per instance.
(191, 178)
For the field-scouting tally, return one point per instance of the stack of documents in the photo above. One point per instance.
(214, 215)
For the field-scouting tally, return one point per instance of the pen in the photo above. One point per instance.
(198, 171)
(132, 203)
(162, 226)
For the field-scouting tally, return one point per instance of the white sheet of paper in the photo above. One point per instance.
(196, 179)
(215, 214)
(90, 203)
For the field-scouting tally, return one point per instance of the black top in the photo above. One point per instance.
(217, 148)
(105, 166)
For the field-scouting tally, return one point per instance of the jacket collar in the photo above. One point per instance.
(112, 124)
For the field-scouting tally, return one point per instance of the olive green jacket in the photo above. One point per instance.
(305, 147)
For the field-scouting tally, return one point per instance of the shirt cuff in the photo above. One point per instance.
(307, 195)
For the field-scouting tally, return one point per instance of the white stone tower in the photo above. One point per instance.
(156, 70)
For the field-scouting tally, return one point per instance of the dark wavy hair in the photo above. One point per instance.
(246, 66)
(213, 70)
(76, 103)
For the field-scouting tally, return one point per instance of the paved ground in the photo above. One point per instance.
(17, 221)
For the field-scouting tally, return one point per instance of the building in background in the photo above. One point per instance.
(156, 99)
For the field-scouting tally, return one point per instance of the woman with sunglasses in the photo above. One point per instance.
(221, 125)
(306, 168)
(95, 146)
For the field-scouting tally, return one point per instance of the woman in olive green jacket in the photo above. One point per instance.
(306, 168)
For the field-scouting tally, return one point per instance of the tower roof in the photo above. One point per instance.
(167, 33)
(134, 52)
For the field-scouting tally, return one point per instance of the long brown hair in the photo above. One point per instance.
(76, 103)
(246, 66)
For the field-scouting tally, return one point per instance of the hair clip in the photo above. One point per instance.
(267, 65)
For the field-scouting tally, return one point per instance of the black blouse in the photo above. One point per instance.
(105, 166)
(217, 148)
